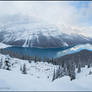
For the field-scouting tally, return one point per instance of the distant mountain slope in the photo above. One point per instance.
(2, 46)
(24, 31)
(84, 57)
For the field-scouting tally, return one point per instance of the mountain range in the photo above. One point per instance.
(25, 31)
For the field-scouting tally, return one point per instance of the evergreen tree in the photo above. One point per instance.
(35, 59)
(52, 60)
(71, 71)
(62, 63)
(24, 69)
(1, 63)
(7, 64)
(29, 61)
(54, 77)
(59, 72)
(79, 68)
(54, 63)
(45, 59)
(65, 72)
(88, 65)
(90, 73)
(40, 59)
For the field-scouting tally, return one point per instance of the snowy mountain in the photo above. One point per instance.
(2, 46)
(20, 30)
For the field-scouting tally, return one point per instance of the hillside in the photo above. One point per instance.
(84, 57)
(39, 78)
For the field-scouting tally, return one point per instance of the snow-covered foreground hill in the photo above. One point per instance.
(10, 80)
(39, 78)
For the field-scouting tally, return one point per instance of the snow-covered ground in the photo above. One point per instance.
(10, 80)
(39, 78)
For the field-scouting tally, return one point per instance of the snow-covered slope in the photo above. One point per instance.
(39, 78)
(81, 83)
(2, 45)
(39, 72)
(39, 69)
(28, 31)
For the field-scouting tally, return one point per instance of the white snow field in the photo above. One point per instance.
(39, 78)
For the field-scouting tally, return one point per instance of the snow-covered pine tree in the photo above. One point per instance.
(7, 64)
(71, 70)
(24, 69)
(54, 75)
(89, 65)
(90, 72)
(58, 72)
(45, 60)
(65, 72)
(52, 60)
(40, 59)
(35, 59)
(1, 63)
(29, 61)
(79, 68)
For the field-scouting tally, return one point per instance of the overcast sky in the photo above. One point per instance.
(77, 14)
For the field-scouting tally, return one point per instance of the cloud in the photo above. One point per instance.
(60, 13)
(52, 12)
